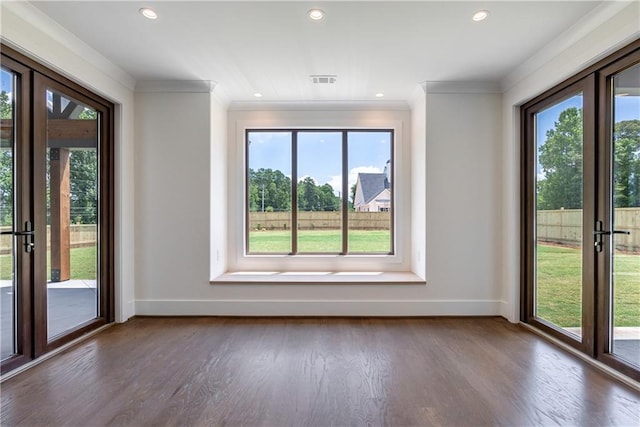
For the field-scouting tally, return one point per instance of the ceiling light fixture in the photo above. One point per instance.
(316, 14)
(148, 13)
(480, 15)
(257, 95)
(379, 95)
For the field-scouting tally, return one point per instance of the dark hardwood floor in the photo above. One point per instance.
(316, 372)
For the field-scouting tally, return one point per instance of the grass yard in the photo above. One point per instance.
(559, 287)
(319, 241)
(83, 264)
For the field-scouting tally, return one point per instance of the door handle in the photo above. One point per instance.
(28, 232)
(599, 232)
(609, 233)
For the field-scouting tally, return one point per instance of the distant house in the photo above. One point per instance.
(373, 191)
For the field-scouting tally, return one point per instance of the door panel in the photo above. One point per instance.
(559, 213)
(56, 210)
(8, 273)
(72, 212)
(69, 294)
(581, 257)
(15, 216)
(625, 254)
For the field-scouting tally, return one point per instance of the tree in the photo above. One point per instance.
(561, 163)
(269, 190)
(6, 166)
(560, 158)
(308, 196)
(626, 171)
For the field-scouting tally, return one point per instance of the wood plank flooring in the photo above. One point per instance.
(316, 372)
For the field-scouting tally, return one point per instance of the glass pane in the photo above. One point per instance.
(269, 197)
(625, 283)
(72, 213)
(319, 189)
(7, 250)
(370, 184)
(559, 204)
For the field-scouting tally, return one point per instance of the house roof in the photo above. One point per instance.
(372, 184)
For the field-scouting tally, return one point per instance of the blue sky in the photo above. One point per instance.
(320, 154)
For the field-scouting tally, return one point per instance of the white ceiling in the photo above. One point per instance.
(273, 47)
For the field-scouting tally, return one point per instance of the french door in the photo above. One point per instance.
(55, 210)
(581, 211)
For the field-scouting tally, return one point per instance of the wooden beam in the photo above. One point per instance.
(60, 196)
(72, 129)
(61, 133)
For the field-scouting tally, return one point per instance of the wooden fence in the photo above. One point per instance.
(565, 227)
(81, 236)
(319, 220)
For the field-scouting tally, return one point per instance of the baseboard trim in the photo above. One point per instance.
(344, 308)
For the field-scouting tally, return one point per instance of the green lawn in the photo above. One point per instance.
(319, 241)
(83, 264)
(559, 287)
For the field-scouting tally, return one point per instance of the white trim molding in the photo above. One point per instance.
(346, 308)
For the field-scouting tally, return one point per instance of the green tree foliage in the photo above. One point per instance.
(313, 197)
(274, 188)
(626, 172)
(6, 166)
(560, 158)
(269, 190)
(83, 171)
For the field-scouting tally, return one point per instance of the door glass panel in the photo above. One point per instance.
(370, 185)
(269, 192)
(72, 213)
(559, 204)
(625, 280)
(8, 290)
(319, 192)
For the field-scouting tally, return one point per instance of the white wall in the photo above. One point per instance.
(418, 174)
(173, 271)
(219, 185)
(618, 25)
(173, 137)
(463, 197)
(28, 30)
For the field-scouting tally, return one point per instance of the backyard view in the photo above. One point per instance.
(326, 199)
(562, 237)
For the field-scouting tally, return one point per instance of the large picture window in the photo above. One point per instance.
(319, 191)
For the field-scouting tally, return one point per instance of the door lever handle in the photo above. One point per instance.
(609, 233)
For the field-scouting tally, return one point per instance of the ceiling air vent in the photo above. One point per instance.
(320, 79)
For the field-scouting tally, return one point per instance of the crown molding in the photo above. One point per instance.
(184, 86)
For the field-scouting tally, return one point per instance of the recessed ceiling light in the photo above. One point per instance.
(257, 95)
(379, 95)
(316, 14)
(148, 13)
(480, 15)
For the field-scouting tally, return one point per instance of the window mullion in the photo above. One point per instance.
(294, 192)
(345, 193)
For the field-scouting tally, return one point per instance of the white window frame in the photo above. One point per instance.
(241, 121)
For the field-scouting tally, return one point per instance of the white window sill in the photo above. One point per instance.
(319, 277)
